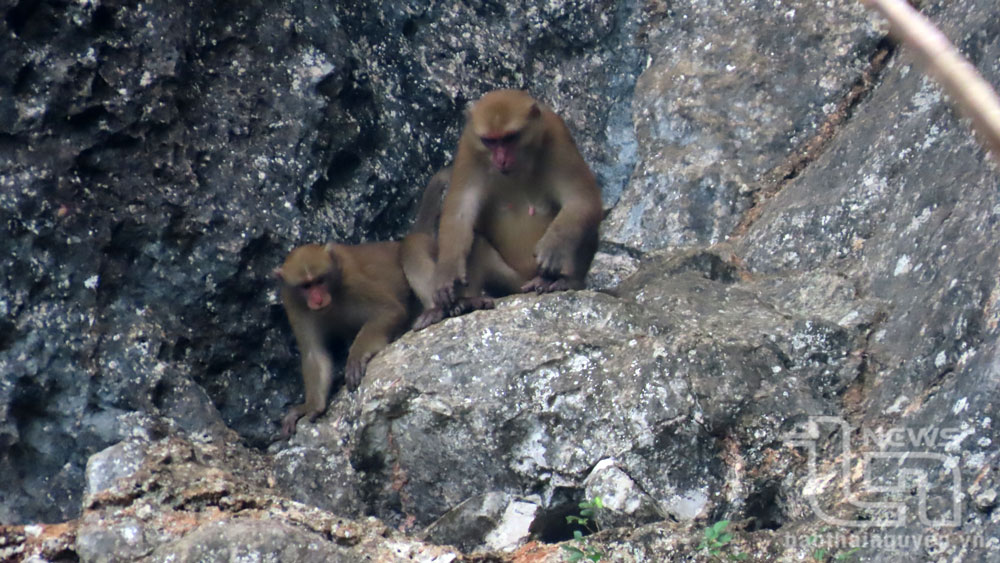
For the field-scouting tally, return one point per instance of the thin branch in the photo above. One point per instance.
(973, 95)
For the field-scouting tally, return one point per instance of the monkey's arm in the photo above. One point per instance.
(317, 375)
(418, 251)
(569, 243)
(416, 254)
(386, 321)
(455, 236)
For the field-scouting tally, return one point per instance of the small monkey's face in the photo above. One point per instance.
(316, 293)
(311, 272)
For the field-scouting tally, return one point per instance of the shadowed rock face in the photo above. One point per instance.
(156, 162)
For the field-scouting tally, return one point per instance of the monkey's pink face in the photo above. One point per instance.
(503, 150)
(316, 294)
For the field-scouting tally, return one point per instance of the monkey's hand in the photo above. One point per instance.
(553, 257)
(541, 284)
(355, 370)
(461, 307)
(290, 419)
(448, 278)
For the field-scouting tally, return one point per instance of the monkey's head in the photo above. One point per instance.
(507, 124)
(311, 272)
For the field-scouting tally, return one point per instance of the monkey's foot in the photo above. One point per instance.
(540, 284)
(292, 418)
(288, 423)
(429, 317)
(461, 307)
(470, 304)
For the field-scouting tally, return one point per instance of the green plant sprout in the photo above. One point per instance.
(582, 550)
(716, 541)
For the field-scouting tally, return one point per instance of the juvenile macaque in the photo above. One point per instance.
(522, 210)
(344, 293)
(360, 293)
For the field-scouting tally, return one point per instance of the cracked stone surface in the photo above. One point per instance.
(800, 242)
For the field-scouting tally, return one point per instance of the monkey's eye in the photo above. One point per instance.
(493, 142)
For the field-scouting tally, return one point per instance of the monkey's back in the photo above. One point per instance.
(373, 268)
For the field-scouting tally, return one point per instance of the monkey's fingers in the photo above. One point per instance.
(429, 317)
(354, 372)
(531, 284)
(470, 304)
(289, 421)
(551, 264)
(443, 297)
(544, 284)
(460, 307)
(446, 295)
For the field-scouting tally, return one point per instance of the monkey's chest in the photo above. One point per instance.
(513, 227)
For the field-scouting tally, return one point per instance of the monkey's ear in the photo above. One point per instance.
(278, 274)
(535, 111)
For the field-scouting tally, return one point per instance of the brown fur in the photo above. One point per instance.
(368, 306)
(522, 211)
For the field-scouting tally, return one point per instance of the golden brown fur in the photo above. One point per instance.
(522, 210)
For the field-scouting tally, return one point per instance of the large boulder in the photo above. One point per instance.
(796, 329)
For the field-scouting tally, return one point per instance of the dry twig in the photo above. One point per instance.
(973, 95)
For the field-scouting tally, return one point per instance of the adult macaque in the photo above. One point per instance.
(522, 211)
(337, 292)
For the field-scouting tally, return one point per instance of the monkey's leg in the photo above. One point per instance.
(563, 267)
(487, 272)
(386, 323)
(317, 375)
(494, 274)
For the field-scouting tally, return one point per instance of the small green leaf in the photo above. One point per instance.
(711, 533)
(598, 502)
(720, 526)
(846, 554)
(725, 538)
(577, 535)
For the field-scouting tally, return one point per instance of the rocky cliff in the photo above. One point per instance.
(792, 323)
